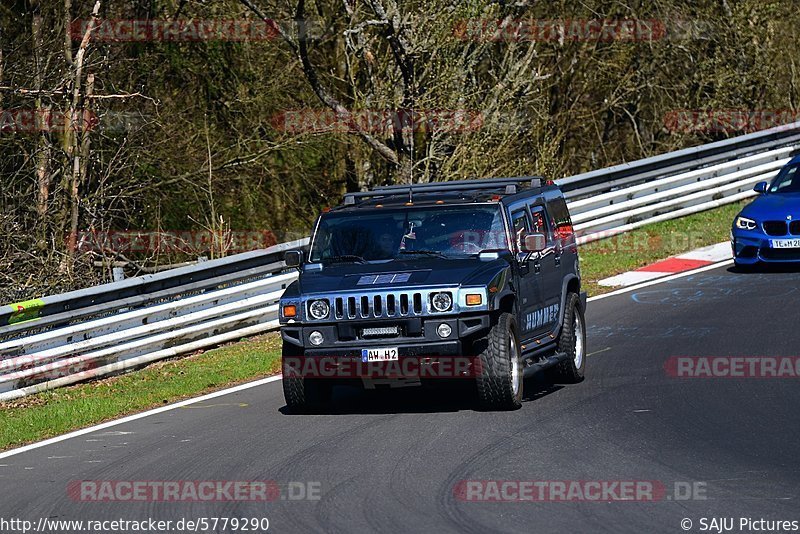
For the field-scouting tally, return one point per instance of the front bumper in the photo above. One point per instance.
(421, 352)
(416, 334)
(753, 246)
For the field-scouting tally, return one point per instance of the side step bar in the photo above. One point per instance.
(533, 368)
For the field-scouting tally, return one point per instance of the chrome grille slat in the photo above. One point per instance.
(384, 305)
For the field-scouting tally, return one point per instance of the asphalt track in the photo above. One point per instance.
(390, 463)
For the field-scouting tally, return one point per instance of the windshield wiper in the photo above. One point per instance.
(435, 253)
(345, 258)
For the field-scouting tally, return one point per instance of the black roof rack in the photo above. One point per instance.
(509, 185)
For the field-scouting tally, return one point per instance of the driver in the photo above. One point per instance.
(387, 246)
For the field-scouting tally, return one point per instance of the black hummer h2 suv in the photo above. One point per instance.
(478, 271)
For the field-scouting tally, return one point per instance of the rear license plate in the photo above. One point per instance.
(379, 354)
(785, 243)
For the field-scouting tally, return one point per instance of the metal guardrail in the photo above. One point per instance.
(671, 163)
(68, 338)
(64, 339)
(618, 199)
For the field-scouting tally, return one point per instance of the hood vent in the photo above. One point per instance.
(388, 278)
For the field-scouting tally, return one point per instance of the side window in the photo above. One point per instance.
(558, 208)
(561, 219)
(521, 226)
(540, 223)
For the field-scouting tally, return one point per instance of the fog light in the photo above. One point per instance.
(316, 338)
(444, 330)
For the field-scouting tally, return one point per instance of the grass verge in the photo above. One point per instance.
(651, 243)
(59, 411)
(56, 412)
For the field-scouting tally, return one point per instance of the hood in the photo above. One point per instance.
(774, 206)
(401, 274)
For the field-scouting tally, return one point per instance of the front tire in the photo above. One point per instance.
(302, 394)
(572, 341)
(500, 377)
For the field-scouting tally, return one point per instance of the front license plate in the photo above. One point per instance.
(379, 354)
(786, 243)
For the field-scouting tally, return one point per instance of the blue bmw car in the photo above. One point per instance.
(768, 229)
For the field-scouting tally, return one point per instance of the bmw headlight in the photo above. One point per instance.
(441, 302)
(743, 223)
(319, 309)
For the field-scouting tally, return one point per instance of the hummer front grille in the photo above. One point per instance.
(385, 305)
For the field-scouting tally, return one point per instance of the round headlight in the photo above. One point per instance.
(319, 309)
(316, 338)
(441, 302)
(444, 330)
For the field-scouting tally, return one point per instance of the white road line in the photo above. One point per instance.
(662, 280)
(631, 278)
(250, 385)
(128, 419)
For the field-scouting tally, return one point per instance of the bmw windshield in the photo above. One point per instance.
(787, 181)
(384, 234)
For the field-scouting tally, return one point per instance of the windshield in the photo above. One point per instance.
(787, 181)
(386, 234)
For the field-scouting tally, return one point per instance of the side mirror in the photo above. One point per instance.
(761, 187)
(534, 243)
(293, 258)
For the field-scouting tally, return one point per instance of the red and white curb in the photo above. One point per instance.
(676, 264)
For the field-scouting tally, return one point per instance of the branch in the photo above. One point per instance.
(301, 49)
(359, 28)
(329, 100)
(286, 37)
(121, 96)
(399, 51)
(230, 164)
(59, 91)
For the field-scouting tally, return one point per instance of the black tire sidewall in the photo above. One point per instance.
(495, 378)
(567, 371)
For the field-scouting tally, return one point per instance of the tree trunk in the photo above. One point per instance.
(43, 149)
(80, 136)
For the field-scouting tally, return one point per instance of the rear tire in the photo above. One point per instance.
(500, 377)
(571, 341)
(302, 395)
